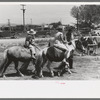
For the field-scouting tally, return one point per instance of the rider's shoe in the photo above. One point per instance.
(33, 58)
(69, 43)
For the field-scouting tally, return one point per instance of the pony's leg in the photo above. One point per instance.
(69, 71)
(88, 50)
(60, 69)
(70, 60)
(67, 63)
(40, 71)
(41, 67)
(5, 67)
(16, 67)
(24, 67)
(94, 50)
(48, 66)
(2, 67)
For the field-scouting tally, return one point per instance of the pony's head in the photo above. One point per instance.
(79, 45)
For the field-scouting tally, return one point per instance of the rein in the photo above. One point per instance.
(37, 47)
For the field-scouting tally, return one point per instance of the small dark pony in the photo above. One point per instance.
(53, 54)
(89, 42)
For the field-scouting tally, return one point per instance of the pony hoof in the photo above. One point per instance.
(69, 72)
(41, 76)
(4, 76)
(59, 74)
(52, 74)
(22, 75)
(1, 76)
(35, 77)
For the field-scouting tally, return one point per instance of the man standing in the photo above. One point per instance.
(69, 36)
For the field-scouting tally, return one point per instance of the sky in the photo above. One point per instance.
(40, 14)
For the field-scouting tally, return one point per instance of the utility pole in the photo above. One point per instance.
(31, 21)
(23, 9)
(61, 20)
(9, 27)
(77, 22)
(77, 19)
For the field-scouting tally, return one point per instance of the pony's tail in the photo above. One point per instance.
(5, 54)
(4, 61)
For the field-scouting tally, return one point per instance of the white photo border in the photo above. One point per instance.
(46, 88)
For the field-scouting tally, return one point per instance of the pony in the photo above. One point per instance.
(53, 54)
(86, 40)
(89, 42)
(16, 54)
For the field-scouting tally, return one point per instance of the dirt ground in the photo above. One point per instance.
(86, 67)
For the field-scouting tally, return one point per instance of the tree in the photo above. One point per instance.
(55, 25)
(75, 11)
(86, 14)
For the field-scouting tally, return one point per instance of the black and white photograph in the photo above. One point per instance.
(49, 41)
(49, 50)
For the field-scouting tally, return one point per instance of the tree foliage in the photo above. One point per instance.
(88, 14)
(55, 25)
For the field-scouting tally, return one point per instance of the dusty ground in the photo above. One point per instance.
(85, 67)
